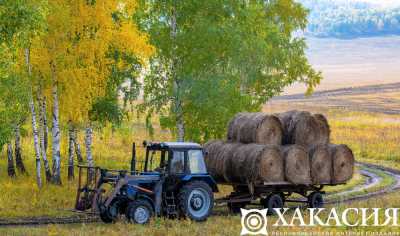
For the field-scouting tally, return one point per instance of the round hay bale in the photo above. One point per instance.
(343, 163)
(211, 150)
(324, 129)
(234, 126)
(297, 164)
(271, 164)
(244, 163)
(255, 128)
(321, 164)
(224, 163)
(302, 128)
(286, 120)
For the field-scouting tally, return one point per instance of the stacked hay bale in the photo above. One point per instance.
(292, 146)
(242, 163)
(255, 128)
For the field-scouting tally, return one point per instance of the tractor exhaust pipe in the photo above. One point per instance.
(133, 160)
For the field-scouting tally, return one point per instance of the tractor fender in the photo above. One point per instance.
(145, 197)
(133, 194)
(205, 178)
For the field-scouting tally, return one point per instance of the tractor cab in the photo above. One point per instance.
(174, 158)
(172, 181)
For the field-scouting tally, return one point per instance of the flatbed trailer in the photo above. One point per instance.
(272, 195)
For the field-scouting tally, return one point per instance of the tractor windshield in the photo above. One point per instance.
(196, 162)
(177, 162)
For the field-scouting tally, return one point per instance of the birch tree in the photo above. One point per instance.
(34, 126)
(11, 168)
(70, 153)
(77, 146)
(216, 58)
(20, 22)
(43, 117)
(75, 55)
(43, 130)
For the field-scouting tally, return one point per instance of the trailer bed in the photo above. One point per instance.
(261, 193)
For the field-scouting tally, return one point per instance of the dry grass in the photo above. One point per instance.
(220, 224)
(371, 136)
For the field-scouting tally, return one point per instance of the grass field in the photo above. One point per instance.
(373, 137)
(220, 224)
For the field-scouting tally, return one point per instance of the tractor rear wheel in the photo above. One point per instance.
(196, 200)
(139, 211)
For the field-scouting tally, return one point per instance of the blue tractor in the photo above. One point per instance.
(173, 182)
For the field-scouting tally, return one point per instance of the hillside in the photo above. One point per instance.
(351, 19)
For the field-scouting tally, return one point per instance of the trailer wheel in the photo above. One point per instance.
(196, 200)
(139, 212)
(315, 200)
(272, 201)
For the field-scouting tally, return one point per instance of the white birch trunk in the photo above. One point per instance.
(56, 135)
(11, 168)
(70, 152)
(88, 145)
(34, 128)
(45, 125)
(178, 109)
(42, 135)
(78, 151)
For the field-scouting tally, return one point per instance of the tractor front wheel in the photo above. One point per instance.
(196, 200)
(109, 214)
(139, 211)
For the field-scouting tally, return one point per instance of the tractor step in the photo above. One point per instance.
(169, 200)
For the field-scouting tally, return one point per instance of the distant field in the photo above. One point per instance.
(355, 62)
(383, 98)
(366, 118)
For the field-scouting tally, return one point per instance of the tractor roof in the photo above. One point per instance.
(181, 145)
(168, 145)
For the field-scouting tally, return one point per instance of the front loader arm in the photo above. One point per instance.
(121, 182)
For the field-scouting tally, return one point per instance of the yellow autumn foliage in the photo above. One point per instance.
(80, 34)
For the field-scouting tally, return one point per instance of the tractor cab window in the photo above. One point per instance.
(177, 162)
(158, 157)
(156, 160)
(196, 162)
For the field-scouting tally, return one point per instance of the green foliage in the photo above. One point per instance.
(227, 56)
(122, 83)
(20, 21)
(345, 19)
(106, 110)
(125, 70)
(14, 94)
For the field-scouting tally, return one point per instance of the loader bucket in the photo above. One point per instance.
(88, 187)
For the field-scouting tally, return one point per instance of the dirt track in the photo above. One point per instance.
(373, 98)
